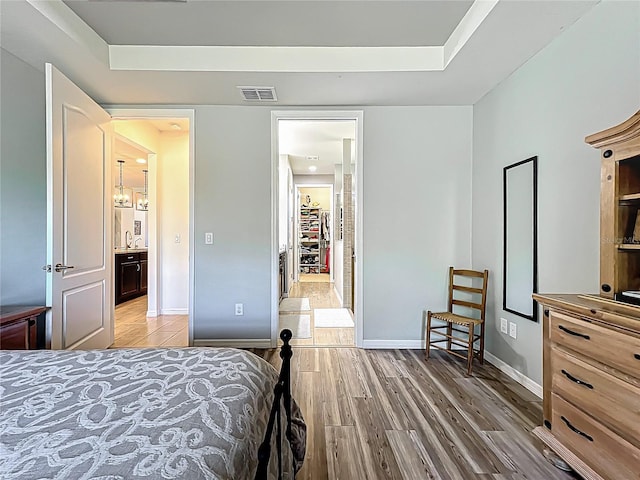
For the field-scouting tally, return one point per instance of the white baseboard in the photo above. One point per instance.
(393, 344)
(338, 294)
(152, 313)
(233, 342)
(174, 311)
(519, 377)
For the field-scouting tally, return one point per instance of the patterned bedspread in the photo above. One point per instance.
(178, 413)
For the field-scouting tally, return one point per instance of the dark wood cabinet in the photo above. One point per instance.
(143, 274)
(22, 327)
(131, 276)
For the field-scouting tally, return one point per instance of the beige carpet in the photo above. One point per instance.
(300, 325)
(332, 317)
(293, 305)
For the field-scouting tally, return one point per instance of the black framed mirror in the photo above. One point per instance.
(520, 223)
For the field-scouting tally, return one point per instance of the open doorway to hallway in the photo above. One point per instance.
(151, 231)
(316, 165)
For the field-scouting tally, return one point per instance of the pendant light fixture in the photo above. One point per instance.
(123, 196)
(143, 199)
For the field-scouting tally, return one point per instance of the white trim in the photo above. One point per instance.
(233, 342)
(73, 27)
(393, 344)
(233, 58)
(338, 294)
(174, 311)
(145, 113)
(152, 313)
(357, 116)
(519, 377)
(474, 17)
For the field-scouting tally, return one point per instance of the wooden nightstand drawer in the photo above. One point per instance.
(614, 402)
(607, 453)
(608, 346)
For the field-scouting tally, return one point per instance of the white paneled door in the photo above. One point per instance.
(79, 254)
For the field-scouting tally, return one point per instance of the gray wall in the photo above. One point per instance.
(417, 213)
(586, 80)
(23, 207)
(416, 216)
(232, 200)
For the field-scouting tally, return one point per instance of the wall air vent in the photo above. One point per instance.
(258, 94)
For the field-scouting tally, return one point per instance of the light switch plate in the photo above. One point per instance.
(504, 326)
(512, 330)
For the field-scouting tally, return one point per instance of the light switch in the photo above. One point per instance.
(177, 238)
(208, 238)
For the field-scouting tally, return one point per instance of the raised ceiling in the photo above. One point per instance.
(273, 23)
(338, 53)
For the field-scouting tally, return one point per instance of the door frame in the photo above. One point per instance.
(358, 117)
(125, 113)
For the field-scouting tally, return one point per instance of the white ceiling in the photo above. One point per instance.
(338, 53)
(127, 150)
(132, 175)
(323, 139)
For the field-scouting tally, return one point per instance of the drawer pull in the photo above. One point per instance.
(575, 334)
(576, 380)
(574, 429)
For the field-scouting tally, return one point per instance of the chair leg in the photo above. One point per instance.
(470, 351)
(482, 343)
(449, 332)
(428, 333)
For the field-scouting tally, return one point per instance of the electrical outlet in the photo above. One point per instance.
(504, 328)
(512, 330)
(208, 238)
(239, 309)
(177, 238)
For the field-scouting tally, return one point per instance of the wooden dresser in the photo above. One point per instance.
(591, 343)
(592, 384)
(19, 328)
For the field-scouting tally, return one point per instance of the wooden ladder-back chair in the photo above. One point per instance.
(469, 322)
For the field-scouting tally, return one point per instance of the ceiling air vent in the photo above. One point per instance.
(258, 94)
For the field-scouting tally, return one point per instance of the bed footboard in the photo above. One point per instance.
(282, 391)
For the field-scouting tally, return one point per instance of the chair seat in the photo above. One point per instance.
(453, 318)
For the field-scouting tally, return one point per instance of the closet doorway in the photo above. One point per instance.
(314, 233)
(318, 226)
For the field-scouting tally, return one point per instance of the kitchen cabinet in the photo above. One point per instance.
(131, 275)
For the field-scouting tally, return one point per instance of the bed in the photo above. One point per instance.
(187, 413)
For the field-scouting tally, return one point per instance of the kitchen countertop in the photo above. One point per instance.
(121, 251)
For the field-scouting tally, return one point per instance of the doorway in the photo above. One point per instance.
(163, 237)
(319, 152)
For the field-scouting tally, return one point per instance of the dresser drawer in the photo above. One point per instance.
(608, 346)
(604, 451)
(612, 401)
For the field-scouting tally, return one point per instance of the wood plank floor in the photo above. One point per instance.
(134, 329)
(375, 414)
(390, 414)
(321, 295)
